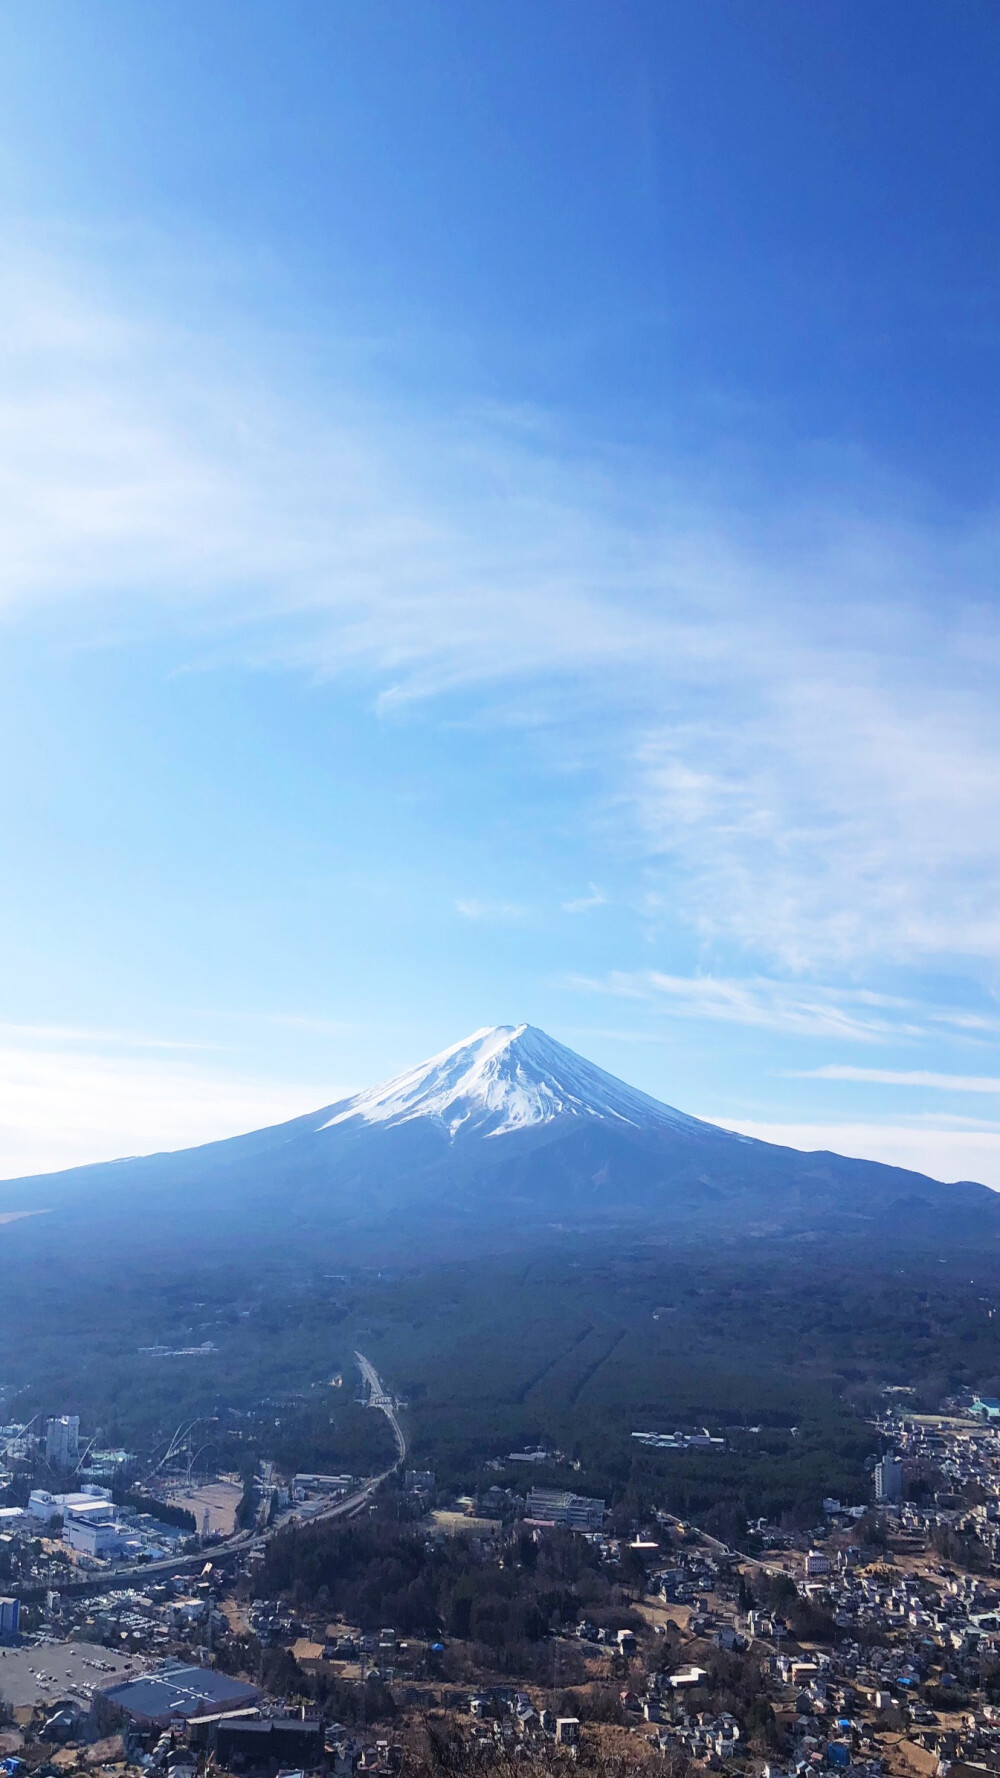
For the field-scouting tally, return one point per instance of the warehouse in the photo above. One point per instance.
(178, 1690)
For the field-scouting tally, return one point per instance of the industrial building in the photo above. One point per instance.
(46, 1507)
(178, 1690)
(91, 1528)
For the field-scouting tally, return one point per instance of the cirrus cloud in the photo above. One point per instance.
(790, 722)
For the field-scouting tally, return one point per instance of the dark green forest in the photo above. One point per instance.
(785, 1348)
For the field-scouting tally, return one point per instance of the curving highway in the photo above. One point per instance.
(380, 1398)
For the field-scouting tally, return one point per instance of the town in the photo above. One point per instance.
(228, 1634)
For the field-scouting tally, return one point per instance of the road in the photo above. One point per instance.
(379, 1398)
(242, 1542)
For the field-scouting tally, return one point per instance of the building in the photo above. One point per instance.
(280, 1742)
(889, 1479)
(97, 1536)
(687, 1676)
(552, 1506)
(45, 1506)
(89, 1522)
(177, 1690)
(62, 1441)
(304, 1485)
(419, 1481)
(10, 1613)
(90, 1525)
(567, 1731)
(817, 1563)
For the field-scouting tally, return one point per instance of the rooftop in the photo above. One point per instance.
(176, 1689)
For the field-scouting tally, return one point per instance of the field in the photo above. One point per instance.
(219, 1499)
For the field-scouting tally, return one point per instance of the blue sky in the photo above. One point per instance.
(500, 522)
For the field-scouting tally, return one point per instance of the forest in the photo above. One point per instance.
(785, 1349)
(377, 1572)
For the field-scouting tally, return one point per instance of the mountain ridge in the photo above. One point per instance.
(500, 1139)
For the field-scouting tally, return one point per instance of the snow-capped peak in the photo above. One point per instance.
(503, 1078)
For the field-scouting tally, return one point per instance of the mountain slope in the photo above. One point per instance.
(503, 1138)
(504, 1078)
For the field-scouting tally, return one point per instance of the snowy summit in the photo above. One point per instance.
(503, 1078)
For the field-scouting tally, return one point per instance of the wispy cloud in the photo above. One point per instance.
(899, 1077)
(582, 904)
(98, 1036)
(490, 910)
(837, 812)
(854, 1014)
(294, 1021)
(794, 721)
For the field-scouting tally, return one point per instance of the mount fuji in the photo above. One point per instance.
(505, 1138)
(505, 1078)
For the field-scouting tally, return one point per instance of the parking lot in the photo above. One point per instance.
(33, 1675)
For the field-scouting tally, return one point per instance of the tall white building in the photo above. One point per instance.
(889, 1478)
(62, 1441)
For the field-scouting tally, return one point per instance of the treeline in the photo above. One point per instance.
(381, 1573)
(280, 1675)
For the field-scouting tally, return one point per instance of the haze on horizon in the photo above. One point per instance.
(500, 524)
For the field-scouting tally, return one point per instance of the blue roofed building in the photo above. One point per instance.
(177, 1689)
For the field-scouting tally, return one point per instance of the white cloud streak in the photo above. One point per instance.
(502, 911)
(797, 726)
(902, 1077)
(99, 1037)
(856, 1015)
(582, 904)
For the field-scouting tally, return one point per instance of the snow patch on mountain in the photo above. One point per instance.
(504, 1078)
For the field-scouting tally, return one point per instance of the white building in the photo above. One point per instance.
(100, 1537)
(89, 1523)
(46, 1507)
(43, 1506)
(889, 1478)
(62, 1441)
